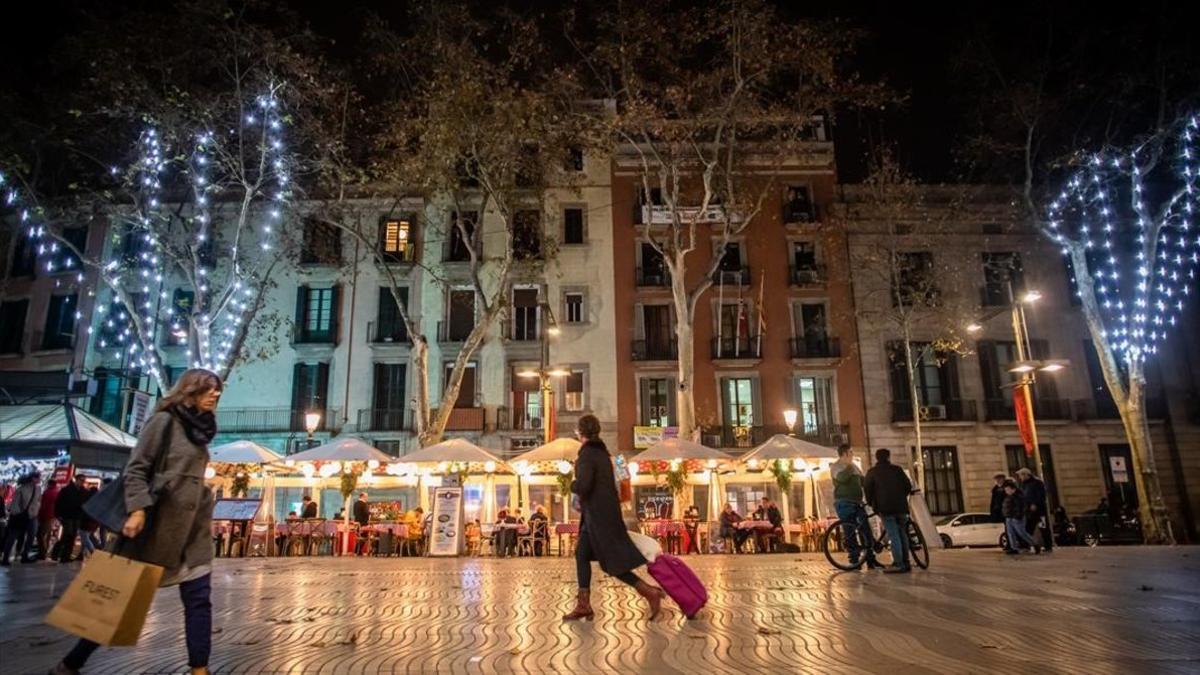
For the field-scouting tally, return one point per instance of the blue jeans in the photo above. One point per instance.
(1015, 528)
(197, 626)
(848, 509)
(897, 531)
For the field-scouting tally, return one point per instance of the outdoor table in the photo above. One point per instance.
(399, 531)
(759, 526)
(505, 532)
(569, 530)
(669, 530)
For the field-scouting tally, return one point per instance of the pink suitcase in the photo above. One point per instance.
(680, 582)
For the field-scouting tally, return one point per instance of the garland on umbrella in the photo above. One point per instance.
(564, 482)
(349, 483)
(241, 481)
(782, 473)
(676, 479)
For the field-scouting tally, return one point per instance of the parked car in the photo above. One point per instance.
(1097, 527)
(970, 529)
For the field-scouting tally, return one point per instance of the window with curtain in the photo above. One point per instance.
(526, 400)
(525, 314)
(573, 302)
(397, 239)
(573, 393)
(658, 402)
(813, 398)
(943, 490)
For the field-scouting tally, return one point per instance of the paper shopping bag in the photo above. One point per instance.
(108, 600)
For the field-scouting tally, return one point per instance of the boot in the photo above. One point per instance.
(583, 607)
(653, 595)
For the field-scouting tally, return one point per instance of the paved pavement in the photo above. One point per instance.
(1106, 610)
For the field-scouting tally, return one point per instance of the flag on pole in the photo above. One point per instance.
(1021, 404)
(762, 317)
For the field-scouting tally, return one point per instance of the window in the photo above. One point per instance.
(999, 270)
(813, 398)
(737, 399)
(527, 235)
(467, 388)
(392, 448)
(322, 243)
(387, 408)
(812, 329)
(12, 325)
(658, 402)
(459, 249)
(462, 314)
(943, 492)
(397, 242)
(181, 313)
(914, 274)
(573, 225)
(60, 323)
(994, 358)
(390, 326)
(574, 159)
(804, 255)
(573, 302)
(657, 331)
(1106, 407)
(797, 204)
(316, 314)
(68, 260)
(653, 269)
(1018, 459)
(573, 396)
(310, 389)
(642, 209)
(731, 258)
(525, 314)
(24, 260)
(526, 401)
(106, 402)
(936, 380)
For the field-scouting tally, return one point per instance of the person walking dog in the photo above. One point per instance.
(165, 475)
(602, 533)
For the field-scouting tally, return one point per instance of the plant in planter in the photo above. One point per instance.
(676, 479)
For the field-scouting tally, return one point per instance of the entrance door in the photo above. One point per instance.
(1116, 463)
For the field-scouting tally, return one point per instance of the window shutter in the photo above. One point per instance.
(299, 388)
(898, 373)
(301, 301)
(989, 370)
(949, 374)
(321, 391)
(672, 387)
(380, 396)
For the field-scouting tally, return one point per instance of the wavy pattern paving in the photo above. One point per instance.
(1076, 611)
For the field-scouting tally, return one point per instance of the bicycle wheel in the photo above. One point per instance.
(917, 547)
(834, 545)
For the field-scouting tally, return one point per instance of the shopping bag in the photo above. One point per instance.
(647, 546)
(108, 600)
(623, 479)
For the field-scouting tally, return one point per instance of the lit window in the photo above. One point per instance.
(573, 398)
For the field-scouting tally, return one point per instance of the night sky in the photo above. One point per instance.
(912, 46)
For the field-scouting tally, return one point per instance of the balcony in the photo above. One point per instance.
(52, 341)
(730, 275)
(951, 410)
(508, 419)
(467, 419)
(272, 420)
(381, 420)
(815, 347)
(736, 348)
(807, 277)
(800, 212)
(653, 277)
(655, 350)
(662, 215)
(387, 332)
(747, 437)
(454, 332)
(516, 330)
(995, 296)
(302, 335)
(1001, 410)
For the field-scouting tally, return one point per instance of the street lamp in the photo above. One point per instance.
(544, 372)
(789, 417)
(312, 420)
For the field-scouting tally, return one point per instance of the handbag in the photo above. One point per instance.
(108, 600)
(107, 506)
(622, 478)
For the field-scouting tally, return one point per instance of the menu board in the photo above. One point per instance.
(446, 535)
(236, 509)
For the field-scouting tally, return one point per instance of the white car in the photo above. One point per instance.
(970, 529)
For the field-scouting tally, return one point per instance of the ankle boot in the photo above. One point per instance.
(653, 595)
(583, 607)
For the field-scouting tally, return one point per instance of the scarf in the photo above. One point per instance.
(200, 427)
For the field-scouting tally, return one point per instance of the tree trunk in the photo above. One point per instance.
(685, 395)
(915, 400)
(1152, 510)
(420, 361)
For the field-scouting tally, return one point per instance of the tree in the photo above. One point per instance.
(480, 134)
(903, 269)
(1044, 93)
(710, 106)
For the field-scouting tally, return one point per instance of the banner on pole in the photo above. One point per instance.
(1021, 407)
(139, 412)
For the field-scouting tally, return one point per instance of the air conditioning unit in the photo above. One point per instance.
(933, 412)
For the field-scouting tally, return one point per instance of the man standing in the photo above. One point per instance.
(1014, 520)
(847, 481)
(22, 519)
(1033, 491)
(997, 507)
(45, 518)
(309, 509)
(68, 508)
(886, 488)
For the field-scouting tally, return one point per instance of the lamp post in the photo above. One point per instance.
(544, 373)
(789, 418)
(312, 421)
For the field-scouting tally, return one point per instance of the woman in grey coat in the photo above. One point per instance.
(170, 509)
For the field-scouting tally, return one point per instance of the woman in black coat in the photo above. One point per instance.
(602, 533)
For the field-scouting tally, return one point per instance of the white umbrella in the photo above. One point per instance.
(678, 448)
(242, 452)
(453, 450)
(342, 450)
(781, 446)
(557, 450)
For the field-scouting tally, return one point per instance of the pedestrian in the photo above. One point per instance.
(1037, 516)
(997, 507)
(68, 508)
(886, 488)
(22, 518)
(361, 515)
(309, 510)
(1014, 519)
(602, 533)
(46, 518)
(848, 497)
(89, 539)
(172, 452)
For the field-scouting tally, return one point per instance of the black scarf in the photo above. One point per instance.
(200, 427)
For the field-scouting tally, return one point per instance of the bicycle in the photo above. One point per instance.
(833, 544)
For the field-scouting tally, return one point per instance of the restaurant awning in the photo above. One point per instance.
(57, 423)
(557, 450)
(670, 449)
(342, 450)
(782, 446)
(242, 452)
(452, 450)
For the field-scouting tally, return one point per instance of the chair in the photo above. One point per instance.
(487, 539)
(414, 543)
(537, 532)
